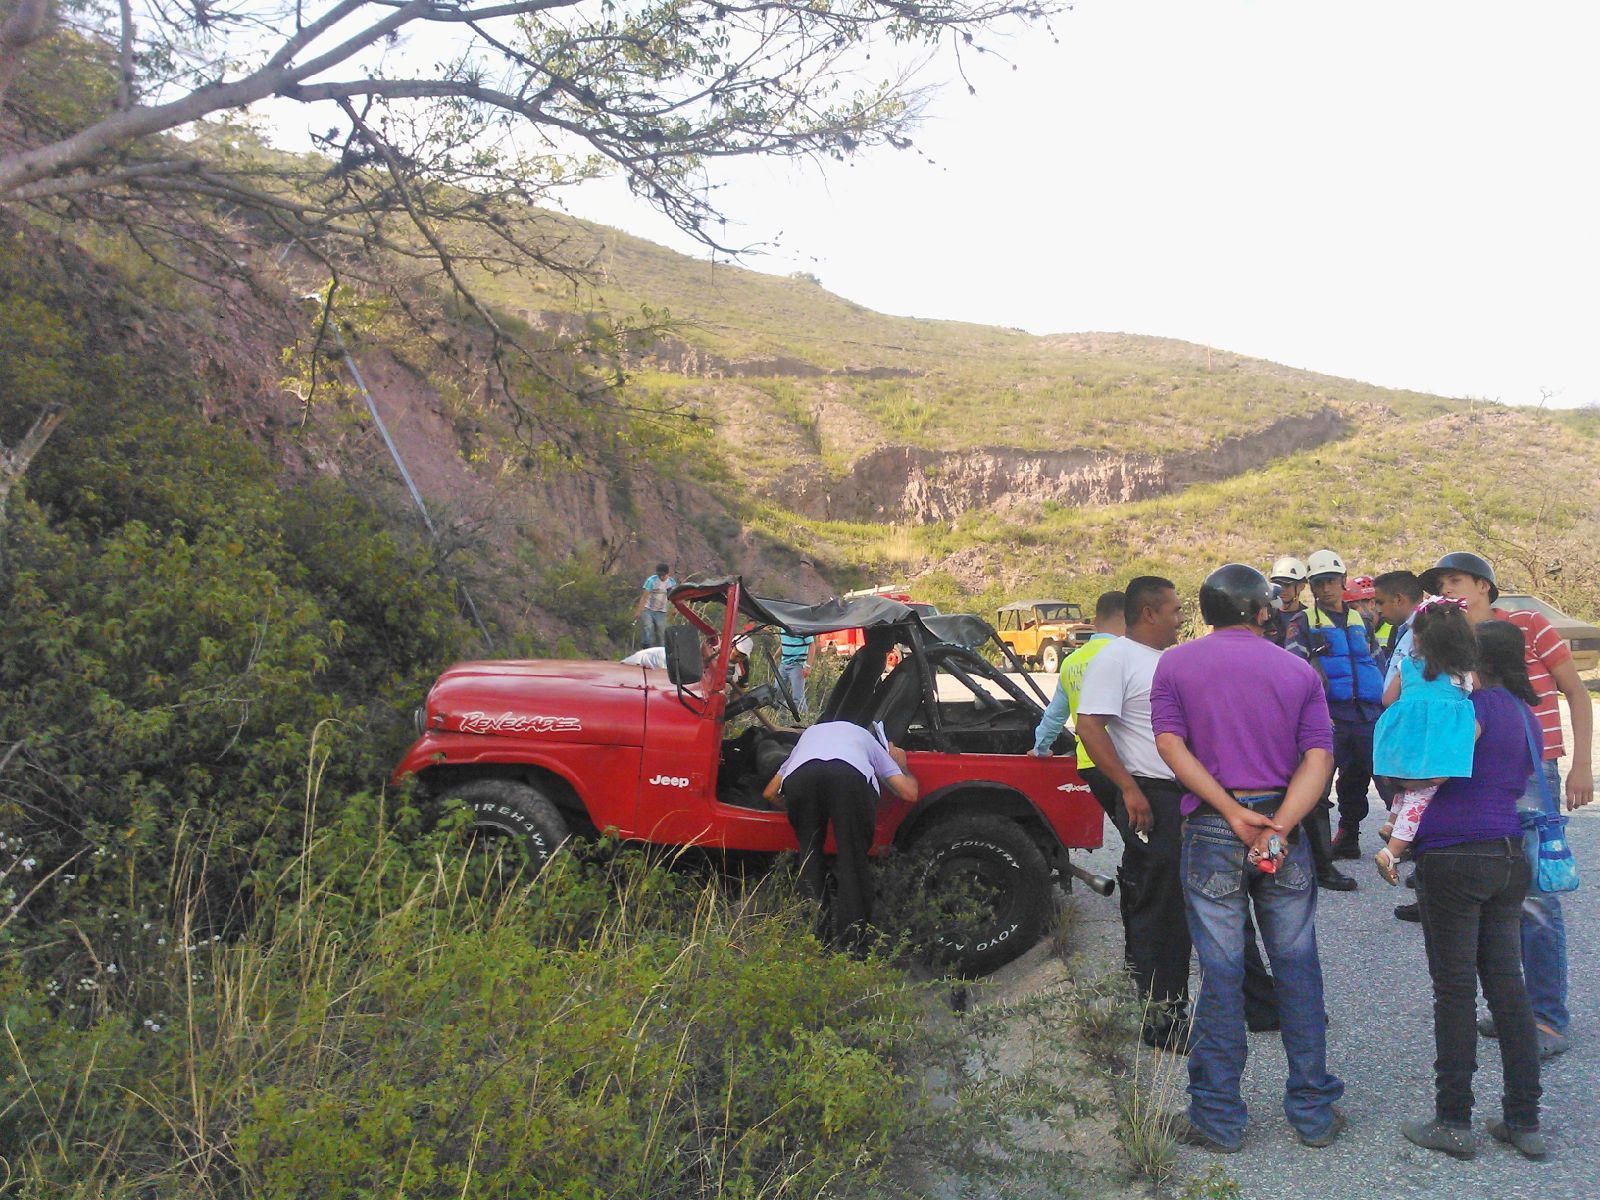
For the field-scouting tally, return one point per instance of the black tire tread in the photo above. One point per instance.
(518, 808)
(1033, 881)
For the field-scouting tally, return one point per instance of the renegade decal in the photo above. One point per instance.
(481, 722)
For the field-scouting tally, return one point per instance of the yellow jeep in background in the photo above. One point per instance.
(1042, 632)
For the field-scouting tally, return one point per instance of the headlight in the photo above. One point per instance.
(419, 718)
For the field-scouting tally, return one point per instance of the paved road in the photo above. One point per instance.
(1381, 1045)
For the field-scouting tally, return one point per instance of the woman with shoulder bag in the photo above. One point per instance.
(1472, 875)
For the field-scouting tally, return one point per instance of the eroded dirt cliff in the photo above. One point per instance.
(914, 485)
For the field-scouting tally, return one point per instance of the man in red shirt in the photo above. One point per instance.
(1468, 577)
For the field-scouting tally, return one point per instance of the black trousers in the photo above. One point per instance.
(1471, 901)
(1352, 762)
(824, 793)
(1155, 928)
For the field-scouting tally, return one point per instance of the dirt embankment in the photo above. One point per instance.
(918, 486)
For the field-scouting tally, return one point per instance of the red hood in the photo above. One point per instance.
(570, 701)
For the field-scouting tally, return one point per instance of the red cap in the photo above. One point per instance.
(1360, 588)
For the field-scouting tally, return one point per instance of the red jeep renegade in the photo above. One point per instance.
(543, 749)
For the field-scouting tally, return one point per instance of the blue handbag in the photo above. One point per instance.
(1544, 834)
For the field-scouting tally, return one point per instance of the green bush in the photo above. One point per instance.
(178, 624)
(610, 1029)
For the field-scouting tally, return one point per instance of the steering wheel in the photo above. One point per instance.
(783, 687)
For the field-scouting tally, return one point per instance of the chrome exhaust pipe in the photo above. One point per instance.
(1100, 884)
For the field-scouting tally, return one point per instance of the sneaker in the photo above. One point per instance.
(1321, 1140)
(1436, 1135)
(1527, 1142)
(1186, 1133)
(1335, 881)
(1346, 843)
(1408, 912)
(1486, 1026)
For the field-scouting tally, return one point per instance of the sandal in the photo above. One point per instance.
(1388, 866)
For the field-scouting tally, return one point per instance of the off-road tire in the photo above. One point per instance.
(517, 810)
(999, 852)
(1050, 658)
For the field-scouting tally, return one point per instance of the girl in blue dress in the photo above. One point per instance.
(1427, 730)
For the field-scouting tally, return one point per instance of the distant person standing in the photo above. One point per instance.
(1294, 628)
(651, 612)
(1294, 635)
(1341, 647)
(1362, 595)
(1398, 594)
(1109, 624)
(1468, 577)
(796, 654)
(1244, 726)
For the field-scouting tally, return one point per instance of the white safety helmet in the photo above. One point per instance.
(1324, 562)
(1288, 569)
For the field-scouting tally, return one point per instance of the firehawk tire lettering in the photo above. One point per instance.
(1005, 859)
(518, 810)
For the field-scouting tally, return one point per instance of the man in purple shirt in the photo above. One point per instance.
(1244, 726)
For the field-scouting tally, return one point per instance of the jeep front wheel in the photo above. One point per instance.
(1050, 658)
(988, 877)
(514, 811)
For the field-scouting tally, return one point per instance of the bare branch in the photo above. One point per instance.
(125, 80)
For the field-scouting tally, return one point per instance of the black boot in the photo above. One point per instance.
(1347, 843)
(1316, 831)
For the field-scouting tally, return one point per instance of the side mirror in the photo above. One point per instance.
(684, 663)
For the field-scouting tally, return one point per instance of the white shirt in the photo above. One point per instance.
(654, 657)
(845, 742)
(1117, 687)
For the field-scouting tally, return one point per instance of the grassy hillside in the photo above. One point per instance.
(1410, 475)
(964, 385)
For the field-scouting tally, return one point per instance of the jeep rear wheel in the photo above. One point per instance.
(987, 874)
(510, 810)
(1050, 658)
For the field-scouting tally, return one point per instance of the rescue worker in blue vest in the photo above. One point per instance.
(1342, 649)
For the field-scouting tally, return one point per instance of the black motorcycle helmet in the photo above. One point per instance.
(1234, 595)
(1468, 564)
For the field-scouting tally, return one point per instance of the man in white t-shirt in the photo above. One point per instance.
(1114, 726)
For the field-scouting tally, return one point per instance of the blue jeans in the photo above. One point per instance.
(1218, 885)
(1544, 931)
(794, 674)
(652, 629)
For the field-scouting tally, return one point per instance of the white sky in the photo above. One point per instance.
(1403, 192)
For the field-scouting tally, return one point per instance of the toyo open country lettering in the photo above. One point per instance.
(663, 756)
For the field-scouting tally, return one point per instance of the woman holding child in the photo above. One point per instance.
(1472, 877)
